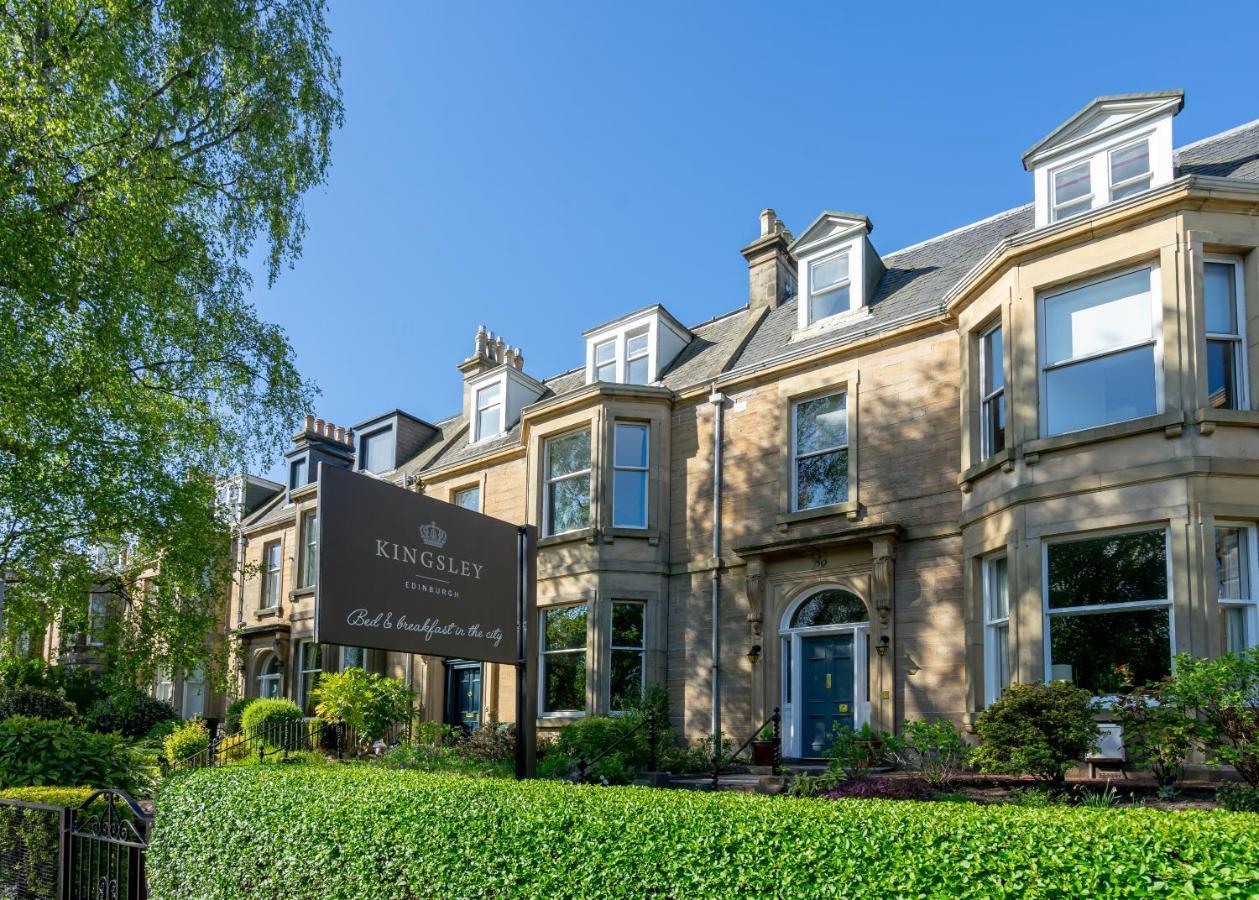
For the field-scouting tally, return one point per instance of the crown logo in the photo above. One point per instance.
(433, 535)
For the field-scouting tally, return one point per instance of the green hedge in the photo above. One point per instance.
(353, 831)
(30, 840)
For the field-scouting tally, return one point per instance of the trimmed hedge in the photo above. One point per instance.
(361, 831)
(30, 840)
(35, 703)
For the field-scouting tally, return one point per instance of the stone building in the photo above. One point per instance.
(1021, 450)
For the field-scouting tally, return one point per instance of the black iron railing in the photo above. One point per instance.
(774, 723)
(581, 769)
(274, 739)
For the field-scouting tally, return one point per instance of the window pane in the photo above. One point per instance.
(994, 363)
(636, 345)
(1100, 391)
(826, 272)
(605, 352)
(832, 607)
(831, 303)
(1119, 568)
(297, 474)
(1129, 189)
(566, 628)
(569, 504)
(377, 452)
(1071, 183)
(1232, 563)
(570, 453)
(994, 423)
(1090, 649)
(469, 498)
(627, 677)
(1098, 317)
(1001, 655)
(821, 424)
(489, 422)
(1219, 286)
(822, 479)
(310, 547)
(565, 682)
(629, 499)
(1222, 374)
(1129, 162)
(627, 624)
(606, 372)
(998, 588)
(488, 395)
(353, 658)
(636, 371)
(1236, 634)
(631, 445)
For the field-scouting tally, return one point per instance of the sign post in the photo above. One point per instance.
(404, 572)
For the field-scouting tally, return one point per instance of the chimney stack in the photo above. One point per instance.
(771, 267)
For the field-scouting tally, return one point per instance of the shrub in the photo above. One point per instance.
(371, 704)
(353, 831)
(1035, 729)
(1157, 734)
(35, 752)
(806, 785)
(855, 753)
(495, 742)
(274, 719)
(935, 749)
(881, 789)
(1224, 694)
(34, 702)
(189, 738)
(234, 711)
(1238, 797)
(587, 738)
(133, 713)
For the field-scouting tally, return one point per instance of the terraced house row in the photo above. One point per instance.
(1022, 450)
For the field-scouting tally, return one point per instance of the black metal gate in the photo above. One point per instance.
(102, 849)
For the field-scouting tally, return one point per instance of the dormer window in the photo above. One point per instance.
(634, 349)
(376, 451)
(829, 287)
(297, 474)
(1114, 148)
(489, 411)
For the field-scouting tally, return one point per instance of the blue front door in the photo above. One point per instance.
(463, 695)
(827, 688)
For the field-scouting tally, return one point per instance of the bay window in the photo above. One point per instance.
(271, 575)
(1100, 352)
(820, 451)
(563, 675)
(1108, 610)
(629, 475)
(829, 287)
(996, 590)
(567, 497)
(308, 565)
(489, 411)
(1234, 580)
(628, 621)
(1226, 349)
(992, 392)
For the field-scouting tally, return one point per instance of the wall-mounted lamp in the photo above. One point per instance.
(881, 647)
(754, 653)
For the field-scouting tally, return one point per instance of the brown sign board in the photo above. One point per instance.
(401, 571)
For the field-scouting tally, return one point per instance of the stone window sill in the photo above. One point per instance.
(650, 535)
(587, 535)
(1208, 419)
(299, 593)
(1170, 422)
(786, 520)
(269, 613)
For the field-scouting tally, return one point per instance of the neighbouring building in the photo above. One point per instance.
(1025, 449)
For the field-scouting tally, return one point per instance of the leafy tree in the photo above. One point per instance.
(1223, 695)
(145, 149)
(1036, 729)
(369, 703)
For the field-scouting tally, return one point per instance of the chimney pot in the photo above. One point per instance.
(329, 430)
(769, 222)
(310, 422)
(319, 426)
(349, 437)
(340, 435)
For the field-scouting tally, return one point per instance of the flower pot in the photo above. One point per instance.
(763, 753)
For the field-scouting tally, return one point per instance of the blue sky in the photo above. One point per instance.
(543, 167)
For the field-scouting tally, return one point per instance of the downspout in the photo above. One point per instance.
(717, 399)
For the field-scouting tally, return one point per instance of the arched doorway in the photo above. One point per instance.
(825, 646)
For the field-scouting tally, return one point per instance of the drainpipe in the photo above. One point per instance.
(717, 399)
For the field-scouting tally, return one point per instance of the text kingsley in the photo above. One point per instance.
(436, 562)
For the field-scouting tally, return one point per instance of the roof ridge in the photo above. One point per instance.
(1214, 137)
(939, 237)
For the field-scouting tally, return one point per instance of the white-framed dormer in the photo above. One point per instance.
(496, 398)
(838, 271)
(1114, 148)
(636, 348)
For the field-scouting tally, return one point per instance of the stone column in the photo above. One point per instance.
(883, 599)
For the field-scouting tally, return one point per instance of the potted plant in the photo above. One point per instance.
(763, 747)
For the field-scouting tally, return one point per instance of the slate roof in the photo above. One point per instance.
(1229, 154)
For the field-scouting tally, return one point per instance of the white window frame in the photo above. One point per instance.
(272, 576)
(1241, 370)
(543, 653)
(501, 405)
(1120, 185)
(1055, 206)
(1156, 340)
(191, 705)
(1102, 608)
(615, 362)
(97, 617)
(547, 480)
(645, 471)
(641, 649)
(989, 399)
(1249, 606)
(266, 678)
(463, 491)
(308, 564)
(796, 456)
(164, 686)
(995, 627)
(846, 282)
(644, 354)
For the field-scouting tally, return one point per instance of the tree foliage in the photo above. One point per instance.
(369, 703)
(145, 149)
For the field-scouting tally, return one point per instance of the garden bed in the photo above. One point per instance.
(363, 831)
